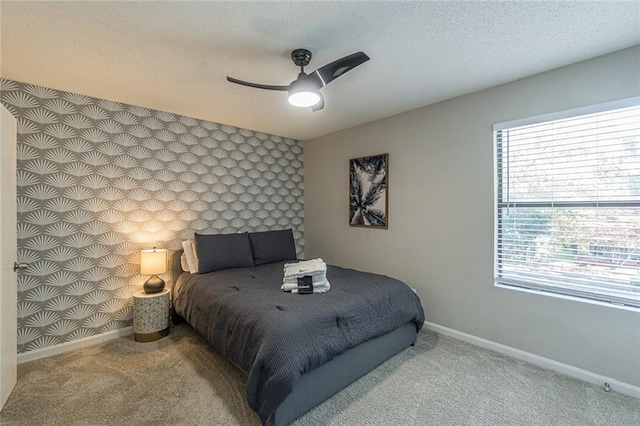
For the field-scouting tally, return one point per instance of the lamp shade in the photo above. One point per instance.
(153, 261)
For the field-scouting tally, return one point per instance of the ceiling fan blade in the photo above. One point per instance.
(335, 69)
(319, 105)
(257, 85)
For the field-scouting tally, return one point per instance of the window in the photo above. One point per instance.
(568, 203)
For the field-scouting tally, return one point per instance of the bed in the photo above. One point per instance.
(297, 350)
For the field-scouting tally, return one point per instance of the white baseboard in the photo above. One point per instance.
(543, 362)
(76, 344)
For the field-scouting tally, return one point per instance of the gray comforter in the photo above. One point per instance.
(274, 336)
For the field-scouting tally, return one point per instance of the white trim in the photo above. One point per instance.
(574, 112)
(549, 364)
(76, 344)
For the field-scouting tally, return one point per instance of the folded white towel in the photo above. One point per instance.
(289, 286)
(315, 268)
(294, 278)
(307, 267)
(314, 279)
(321, 286)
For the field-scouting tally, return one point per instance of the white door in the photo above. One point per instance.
(8, 255)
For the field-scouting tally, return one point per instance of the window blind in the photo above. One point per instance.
(568, 205)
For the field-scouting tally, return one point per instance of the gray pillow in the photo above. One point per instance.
(223, 251)
(272, 246)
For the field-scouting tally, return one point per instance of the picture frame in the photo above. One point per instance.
(368, 191)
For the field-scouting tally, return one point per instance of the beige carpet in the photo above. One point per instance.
(179, 380)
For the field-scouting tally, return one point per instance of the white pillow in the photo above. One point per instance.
(183, 263)
(190, 254)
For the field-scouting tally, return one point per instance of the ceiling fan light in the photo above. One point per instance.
(304, 98)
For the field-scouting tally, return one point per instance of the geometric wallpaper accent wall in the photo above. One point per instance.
(100, 180)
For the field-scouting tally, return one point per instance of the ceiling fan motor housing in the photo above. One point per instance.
(301, 57)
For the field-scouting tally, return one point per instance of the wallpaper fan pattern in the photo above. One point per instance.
(99, 180)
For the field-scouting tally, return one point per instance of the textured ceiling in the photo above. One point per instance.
(174, 56)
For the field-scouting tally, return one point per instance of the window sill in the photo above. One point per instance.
(567, 297)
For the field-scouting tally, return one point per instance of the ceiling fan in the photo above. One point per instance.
(305, 90)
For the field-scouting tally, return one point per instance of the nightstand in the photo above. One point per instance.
(151, 315)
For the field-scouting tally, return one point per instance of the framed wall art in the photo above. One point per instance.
(368, 193)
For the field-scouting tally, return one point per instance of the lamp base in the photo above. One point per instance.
(151, 337)
(155, 284)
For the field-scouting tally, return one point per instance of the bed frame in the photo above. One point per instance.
(318, 385)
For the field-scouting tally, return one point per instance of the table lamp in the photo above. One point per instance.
(153, 262)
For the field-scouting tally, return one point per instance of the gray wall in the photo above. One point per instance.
(98, 181)
(440, 236)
